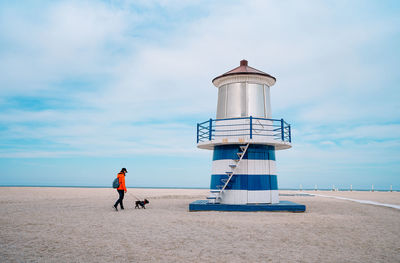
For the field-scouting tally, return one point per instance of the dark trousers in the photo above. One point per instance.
(121, 197)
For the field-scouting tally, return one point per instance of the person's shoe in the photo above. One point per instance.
(122, 208)
(116, 209)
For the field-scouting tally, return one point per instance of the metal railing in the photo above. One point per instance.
(242, 127)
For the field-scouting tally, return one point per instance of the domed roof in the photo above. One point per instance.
(244, 69)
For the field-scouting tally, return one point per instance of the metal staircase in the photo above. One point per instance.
(216, 194)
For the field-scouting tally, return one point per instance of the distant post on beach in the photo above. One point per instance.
(351, 188)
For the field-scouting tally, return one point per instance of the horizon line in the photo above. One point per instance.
(193, 187)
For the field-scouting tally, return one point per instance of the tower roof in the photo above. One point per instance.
(244, 69)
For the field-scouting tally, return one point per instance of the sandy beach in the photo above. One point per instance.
(80, 225)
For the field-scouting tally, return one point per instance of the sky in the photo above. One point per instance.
(89, 87)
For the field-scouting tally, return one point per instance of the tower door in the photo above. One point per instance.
(258, 178)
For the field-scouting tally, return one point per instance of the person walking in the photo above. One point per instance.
(121, 189)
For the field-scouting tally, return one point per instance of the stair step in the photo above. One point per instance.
(211, 197)
(236, 160)
(219, 186)
(232, 166)
(215, 191)
(240, 154)
(243, 148)
(226, 180)
(229, 172)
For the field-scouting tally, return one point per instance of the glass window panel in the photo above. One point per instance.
(221, 102)
(243, 107)
(255, 99)
(236, 100)
(268, 102)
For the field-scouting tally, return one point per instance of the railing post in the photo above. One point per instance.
(198, 126)
(290, 134)
(251, 127)
(282, 131)
(210, 130)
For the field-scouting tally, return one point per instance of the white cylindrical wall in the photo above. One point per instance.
(242, 197)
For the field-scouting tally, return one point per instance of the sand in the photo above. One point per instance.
(79, 225)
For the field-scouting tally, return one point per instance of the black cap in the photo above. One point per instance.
(123, 170)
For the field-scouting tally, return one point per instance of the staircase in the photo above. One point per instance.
(216, 194)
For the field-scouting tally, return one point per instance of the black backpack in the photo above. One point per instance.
(116, 183)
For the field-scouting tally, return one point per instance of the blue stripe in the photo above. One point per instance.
(249, 182)
(254, 152)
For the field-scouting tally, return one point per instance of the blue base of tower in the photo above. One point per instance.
(282, 206)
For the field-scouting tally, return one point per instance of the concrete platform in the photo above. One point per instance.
(282, 206)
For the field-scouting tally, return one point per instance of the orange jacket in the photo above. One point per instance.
(121, 178)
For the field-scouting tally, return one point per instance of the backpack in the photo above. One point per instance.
(116, 183)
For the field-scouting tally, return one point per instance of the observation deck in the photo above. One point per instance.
(244, 130)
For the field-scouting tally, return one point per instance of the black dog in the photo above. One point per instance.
(141, 203)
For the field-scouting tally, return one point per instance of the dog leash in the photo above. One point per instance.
(134, 196)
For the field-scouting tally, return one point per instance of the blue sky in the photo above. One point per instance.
(88, 87)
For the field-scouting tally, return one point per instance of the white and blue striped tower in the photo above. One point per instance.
(244, 138)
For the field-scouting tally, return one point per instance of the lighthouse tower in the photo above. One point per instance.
(244, 138)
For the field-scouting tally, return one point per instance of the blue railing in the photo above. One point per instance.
(244, 127)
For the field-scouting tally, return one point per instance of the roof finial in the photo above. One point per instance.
(243, 62)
